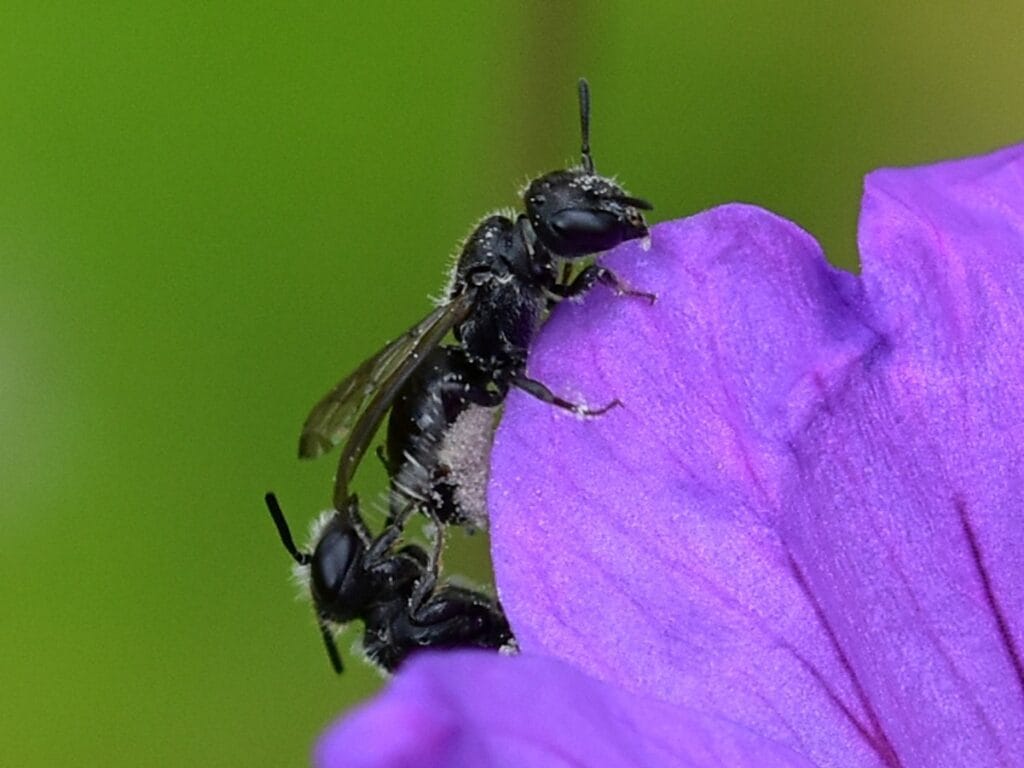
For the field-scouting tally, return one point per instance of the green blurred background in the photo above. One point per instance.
(208, 215)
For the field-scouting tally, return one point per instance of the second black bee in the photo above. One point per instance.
(392, 590)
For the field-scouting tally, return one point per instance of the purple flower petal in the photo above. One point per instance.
(807, 516)
(476, 709)
(923, 458)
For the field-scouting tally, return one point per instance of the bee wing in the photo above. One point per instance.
(352, 411)
(331, 419)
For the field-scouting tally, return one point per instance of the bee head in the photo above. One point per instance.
(576, 212)
(334, 572)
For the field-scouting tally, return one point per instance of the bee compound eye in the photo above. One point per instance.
(583, 231)
(581, 222)
(333, 558)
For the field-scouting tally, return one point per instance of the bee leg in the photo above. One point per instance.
(425, 586)
(593, 274)
(542, 393)
(381, 546)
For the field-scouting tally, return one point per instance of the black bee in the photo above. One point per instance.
(503, 283)
(394, 592)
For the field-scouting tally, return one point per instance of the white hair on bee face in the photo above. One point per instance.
(300, 573)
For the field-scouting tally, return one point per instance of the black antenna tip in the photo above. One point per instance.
(584, 90)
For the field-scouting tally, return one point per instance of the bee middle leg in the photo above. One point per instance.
(542, 393)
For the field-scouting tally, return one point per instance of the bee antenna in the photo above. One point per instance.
(588, 161)
(331, 646)
(302, 558)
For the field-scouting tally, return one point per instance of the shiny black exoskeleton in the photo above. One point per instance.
(393, 591)
(504, 281)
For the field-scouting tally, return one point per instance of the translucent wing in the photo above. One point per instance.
(352, 411)
(331, 419)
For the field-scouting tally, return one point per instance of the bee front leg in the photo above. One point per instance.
(592, 275)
